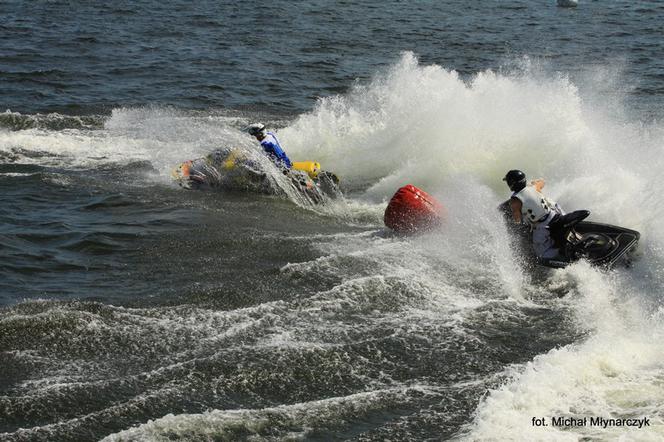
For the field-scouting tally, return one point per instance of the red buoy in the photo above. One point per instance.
(411, 210)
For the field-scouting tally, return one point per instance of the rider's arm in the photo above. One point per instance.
(539, 184)
(270, 150)
(267, 146)
(515, 205)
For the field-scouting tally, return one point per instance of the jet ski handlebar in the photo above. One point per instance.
(569, 220)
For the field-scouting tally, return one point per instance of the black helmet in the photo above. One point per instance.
(516, 180)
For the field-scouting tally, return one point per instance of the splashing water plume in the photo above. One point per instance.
(444, 300)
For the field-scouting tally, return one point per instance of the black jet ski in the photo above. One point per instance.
(600, 244)
(234, 169)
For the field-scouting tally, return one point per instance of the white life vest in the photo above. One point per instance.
(535, 207)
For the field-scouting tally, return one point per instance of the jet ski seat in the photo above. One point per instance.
(562, 224)
(568, 220)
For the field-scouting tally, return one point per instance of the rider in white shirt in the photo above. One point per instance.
(529, 204)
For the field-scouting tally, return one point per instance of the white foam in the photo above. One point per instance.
(424, 123)
(257, 423)
(616, 373)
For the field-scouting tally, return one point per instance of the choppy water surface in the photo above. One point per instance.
(131, 309)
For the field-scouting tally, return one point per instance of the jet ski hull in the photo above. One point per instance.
(603, 245)
(600, 244)
(229, 169)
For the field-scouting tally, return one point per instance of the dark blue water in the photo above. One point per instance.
(82, 57)
(133, 309)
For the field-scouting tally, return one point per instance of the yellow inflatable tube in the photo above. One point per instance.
(310, 167)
